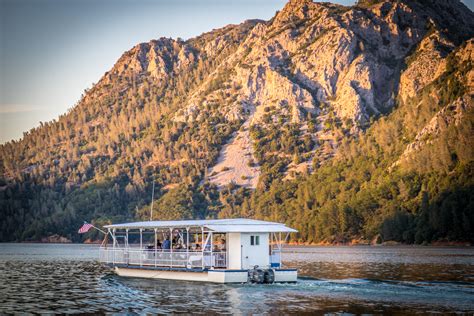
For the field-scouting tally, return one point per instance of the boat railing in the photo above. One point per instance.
(163, 258)
(275, 259)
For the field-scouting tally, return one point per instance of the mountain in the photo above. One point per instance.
(347, 123)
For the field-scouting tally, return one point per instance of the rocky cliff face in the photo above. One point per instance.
(452, 114)
(319, 60)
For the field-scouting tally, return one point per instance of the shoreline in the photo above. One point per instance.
(291, 245)
(384, 244)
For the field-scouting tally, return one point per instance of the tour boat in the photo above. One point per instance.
(219, 251)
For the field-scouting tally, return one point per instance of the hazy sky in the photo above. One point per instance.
(51, 50)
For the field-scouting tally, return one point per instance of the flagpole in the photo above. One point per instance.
(152, 196)
(100, 230)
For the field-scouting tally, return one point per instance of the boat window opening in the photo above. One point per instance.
(254, 240)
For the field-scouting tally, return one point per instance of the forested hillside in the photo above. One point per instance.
(343, 122)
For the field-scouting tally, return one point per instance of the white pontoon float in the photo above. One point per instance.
(220, 251)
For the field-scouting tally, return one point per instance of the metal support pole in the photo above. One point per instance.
(280, 251)
(271, 248)
(202, 248)
(141, 238)
(211, 263)
(126, 238)
(171, 247)
(107, 250)
(141, 246)
(127, 250)
(286, 238)
(226, 250)
(156, 245)
(152, 198)
(187, 246)
(271, 244)
(113, 247)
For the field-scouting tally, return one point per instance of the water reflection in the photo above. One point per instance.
(407, 263)
(67, 279)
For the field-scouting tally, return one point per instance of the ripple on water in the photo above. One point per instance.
(48, 283)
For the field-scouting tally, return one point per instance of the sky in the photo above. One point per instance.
(52, 50)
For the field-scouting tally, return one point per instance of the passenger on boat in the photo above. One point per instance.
(166, 244)
(158, 244)
(223, 244)
(176, 243)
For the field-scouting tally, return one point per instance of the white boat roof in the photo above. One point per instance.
(236, 225)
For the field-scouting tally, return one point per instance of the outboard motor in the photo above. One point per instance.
(269, 276)
(260, 276)
(256, 275)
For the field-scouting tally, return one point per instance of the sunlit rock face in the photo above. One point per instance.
(354, 62)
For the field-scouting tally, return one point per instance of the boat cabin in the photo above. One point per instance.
(222, 250)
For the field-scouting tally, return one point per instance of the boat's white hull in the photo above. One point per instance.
(214, 276)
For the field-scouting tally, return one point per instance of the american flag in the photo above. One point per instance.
(85, 228)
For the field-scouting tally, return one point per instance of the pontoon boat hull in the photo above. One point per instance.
(213, 276)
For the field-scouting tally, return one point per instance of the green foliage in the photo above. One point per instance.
(183, 202)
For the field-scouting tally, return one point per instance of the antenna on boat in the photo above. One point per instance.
(152, 196)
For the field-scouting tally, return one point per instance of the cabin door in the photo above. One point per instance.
(254, 250)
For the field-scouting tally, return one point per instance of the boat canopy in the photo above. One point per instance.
(235, 225)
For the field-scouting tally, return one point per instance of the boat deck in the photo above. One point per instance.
(198, 274)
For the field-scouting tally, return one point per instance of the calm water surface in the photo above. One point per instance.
(48, 278)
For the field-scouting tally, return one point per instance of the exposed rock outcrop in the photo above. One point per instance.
(425, 64)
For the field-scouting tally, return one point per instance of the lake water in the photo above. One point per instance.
(47, 278)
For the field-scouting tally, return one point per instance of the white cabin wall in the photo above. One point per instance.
(234, 251)
(257, 254)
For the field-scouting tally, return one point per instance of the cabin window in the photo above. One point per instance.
(254, 240)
